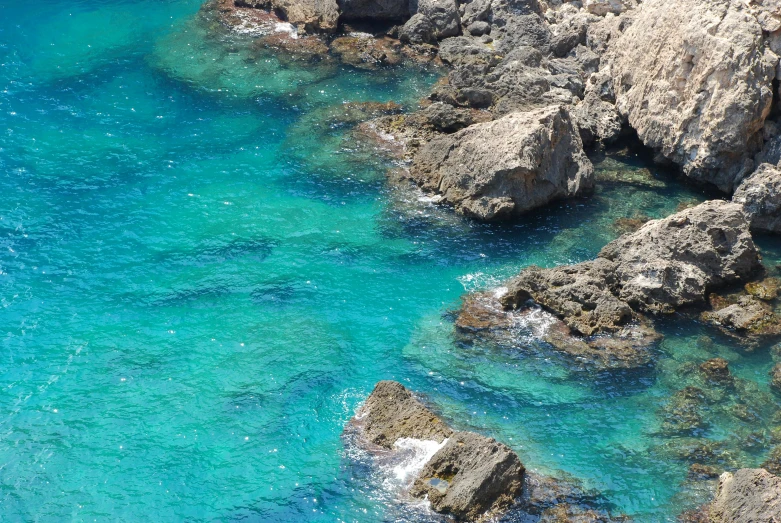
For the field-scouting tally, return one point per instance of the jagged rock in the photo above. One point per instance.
(775, 378)
(392, 412)
(766, 289)
(394, 10)
(748, 316)
(603, 7)
(443, 15)
(578, 294)
(511, 31)
(760, 196)
(418, 30)
(469, 476)
(675, 261)
(503, 168)
(747, 496)
(699, 471)
(695, 81)
(367, 52)
(309, 15)
(597, 120)
(568, 34)
(479, 28)
(771, 152)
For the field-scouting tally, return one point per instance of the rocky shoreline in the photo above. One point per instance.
(531, 86)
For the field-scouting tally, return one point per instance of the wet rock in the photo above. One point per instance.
(578, 294)
(766, 289)
(499, 169)
(747, 316)
(682, 415)
(308, 15)
(391, 412)
(694, 79)
(632, 224)
(747, 496)
(469, 476)
(699, 471)
(773, 463)
(289, 49)
(760, 196)
(675, 261)
(775, 378)
(367, 52)
(716, 370)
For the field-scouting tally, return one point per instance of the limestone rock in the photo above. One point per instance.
(747, 496)
(748, 315)
(392, 412)
(760, 196)
(309, 15)
(505, 167)
(469, 476)
(677, 260)
(695, 81)
(597, 120)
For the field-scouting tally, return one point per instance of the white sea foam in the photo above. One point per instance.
(285, 27)
(413, 454)
(534, 321)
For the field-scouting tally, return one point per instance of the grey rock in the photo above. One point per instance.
(771, 152)
(307, 15)
(702, 108)
(568, 34)
(597, 120)
(760, 196)
(395, 10)
(470, 476)
(677, 260)
(418, 30)
(443, 15)
(497, 169)
(747, 496)
(391, 412)
(514, 30)
(747, 316)
(479, 28)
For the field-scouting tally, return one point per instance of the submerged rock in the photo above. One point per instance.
(775, 378)
(367, 52)
(694, 78)
(391, 412)
(470, 476)
(760, 196)
(499, 169)
(716, 370)
(747, 496)
(675, 261)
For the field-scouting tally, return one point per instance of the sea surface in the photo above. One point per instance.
(203, 273)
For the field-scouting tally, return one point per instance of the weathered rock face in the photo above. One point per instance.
(760, 196)
(469, 476)
(694, 79)
(392, 412)
(675, 261)
(395, 10)
(747, 496)
(309, 15)
(498, 169)
(578, 294)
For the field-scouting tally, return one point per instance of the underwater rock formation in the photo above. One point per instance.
(499, 169)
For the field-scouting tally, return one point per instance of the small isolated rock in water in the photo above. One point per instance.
(747, 496)
(694, 78)
(674, 261)
(505, 167)
(775, 378)
(760, 196)
(391, 412)
(469, 476)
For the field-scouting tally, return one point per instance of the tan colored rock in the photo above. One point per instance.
(307, 15)
(694, 78)
(760, 196)
(747, 496)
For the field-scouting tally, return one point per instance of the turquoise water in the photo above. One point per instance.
(202, 275)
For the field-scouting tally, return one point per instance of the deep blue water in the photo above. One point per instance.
(202, 275)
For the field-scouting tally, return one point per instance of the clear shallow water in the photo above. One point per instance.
(202, 278)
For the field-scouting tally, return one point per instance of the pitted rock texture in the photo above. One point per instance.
(747, 496)
(309, 15)
(694, 78)
(502, 168)
(469, 476)
(391, 412)
(676, 261)
(760, 196)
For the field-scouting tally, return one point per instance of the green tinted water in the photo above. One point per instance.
(201, 278)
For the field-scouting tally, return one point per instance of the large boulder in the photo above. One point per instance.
(676, 261)
(470, 476)
(393, 10)
(502, 168)
(391, 412)
(694, 78)
(760, 196)
(307, 15)
(747, 496)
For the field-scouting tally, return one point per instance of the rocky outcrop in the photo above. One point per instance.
(760, 196)
(503, 168)
(694, 79)
(308, 15)
(470, 476)
(747, 496)
(678, 260)
(393, 10)
(391, 412)
(746, 315)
